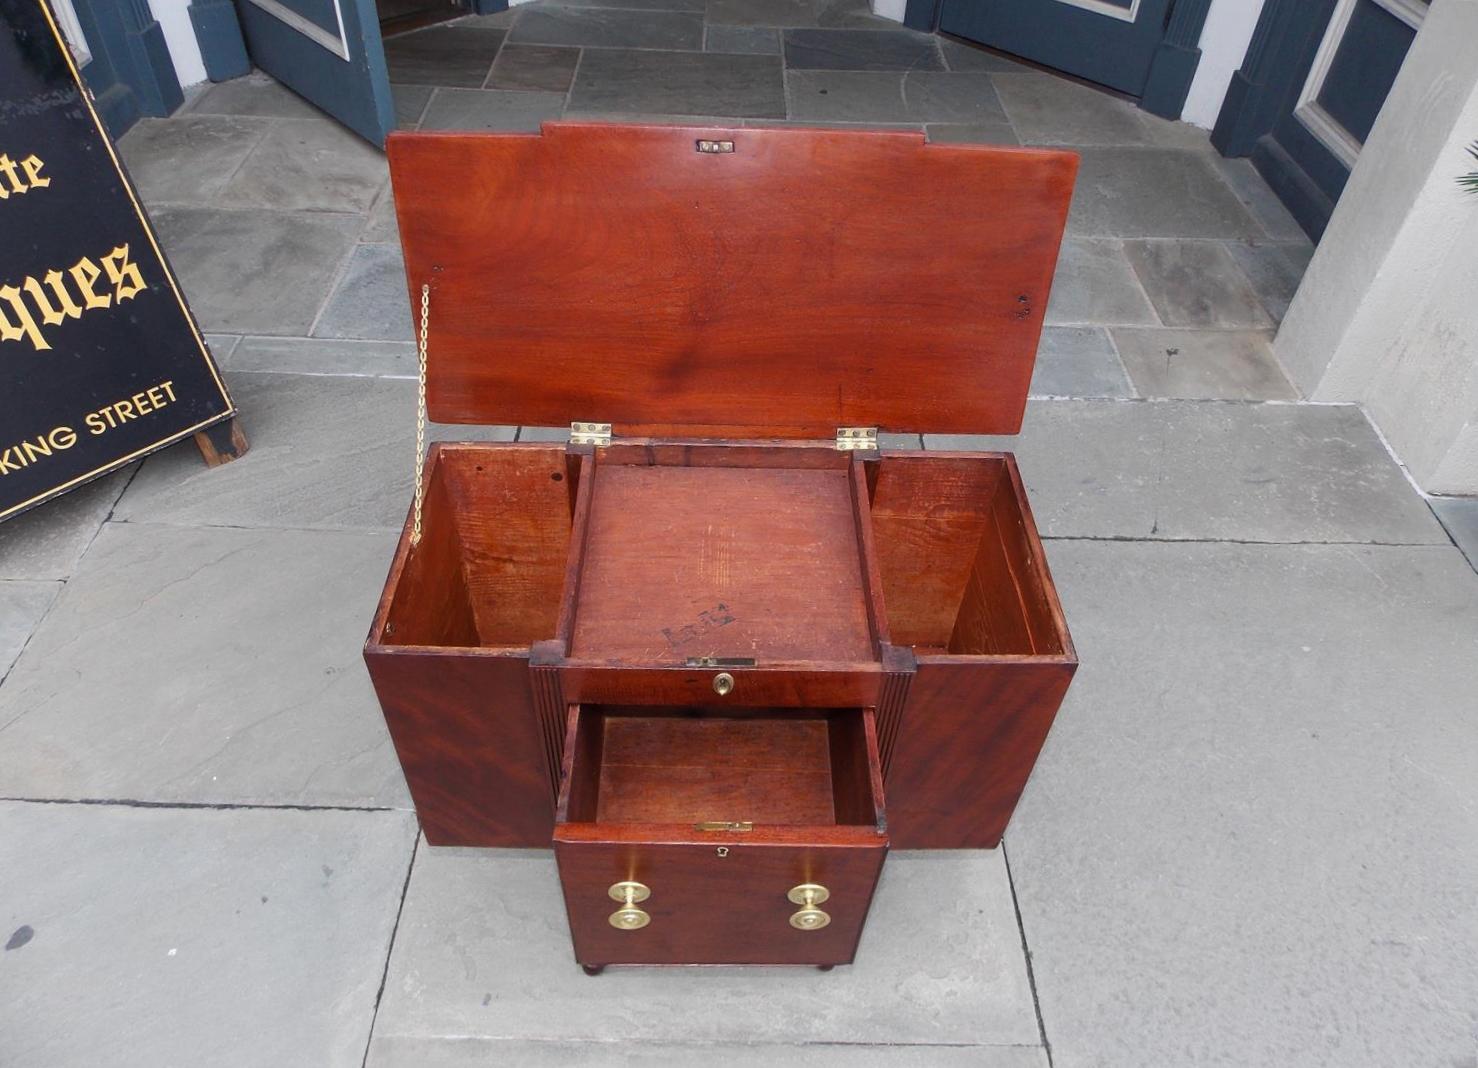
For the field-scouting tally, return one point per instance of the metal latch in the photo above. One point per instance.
(851, 438)
(590, 433)
(739, 826)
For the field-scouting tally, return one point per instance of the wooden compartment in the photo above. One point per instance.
(967, 587)
(449, 648)
(720, 812)
(490, 571)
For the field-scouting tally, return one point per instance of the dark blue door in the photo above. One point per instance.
(1351, 53)
(329, 51)
(1112, 42)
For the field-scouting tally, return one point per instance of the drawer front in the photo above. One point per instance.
(719, 903)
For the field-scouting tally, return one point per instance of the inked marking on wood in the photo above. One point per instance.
(708, 621)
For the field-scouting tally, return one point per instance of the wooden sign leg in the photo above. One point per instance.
(222, 443)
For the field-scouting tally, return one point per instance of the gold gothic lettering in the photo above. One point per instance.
(26, 308)
(21, 176)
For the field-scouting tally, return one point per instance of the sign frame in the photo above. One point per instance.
(217, 443)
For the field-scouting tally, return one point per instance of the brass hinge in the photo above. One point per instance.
(850, 438)
(590, 433)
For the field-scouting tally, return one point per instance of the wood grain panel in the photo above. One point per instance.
(971, 734)
(469, 743)
(685, 562)
(806, 280)
(511, 505)
(929, 514)
(425, 600)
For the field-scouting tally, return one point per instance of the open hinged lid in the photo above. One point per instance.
(751, 282)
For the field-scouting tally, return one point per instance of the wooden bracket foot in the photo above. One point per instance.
(222, 443)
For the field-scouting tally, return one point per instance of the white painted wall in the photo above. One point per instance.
(1224, 40)
(1387, 314)
(173, 17)
(889, 9)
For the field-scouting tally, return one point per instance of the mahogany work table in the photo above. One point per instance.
(720, 650)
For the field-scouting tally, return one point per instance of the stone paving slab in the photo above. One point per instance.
(47, 541)
(763, 13)
(1250, 837)
(456, 1053)
(308, 165)
(987, 133)
(371, 301)
(22, 604)
(1284, 473)
(144, 938)
(1248, 186)
(1196, 284)
(608, 28)
(1049, 110)
(322, 356)
(483, 953)
(1203, 364)
(618, 81)
(1209, 470)
(189, 159)
(742, 40)
(1094, 285)
(536, 67)
(254, 94)
(452, 54)
(327, 452)
(255, 272)
(205, 666)
(1078, 361)
(892, 96)
(1153, 192)
(491, 109)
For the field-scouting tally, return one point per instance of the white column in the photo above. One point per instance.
(1388, 312)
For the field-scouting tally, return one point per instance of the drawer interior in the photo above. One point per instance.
(961, 565)
(693, 766)
(490, 568)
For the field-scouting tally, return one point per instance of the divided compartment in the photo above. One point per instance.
(490, 569)
(962, 568)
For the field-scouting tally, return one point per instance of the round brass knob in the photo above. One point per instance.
(723, 683)
(628, 917)
(808, 896)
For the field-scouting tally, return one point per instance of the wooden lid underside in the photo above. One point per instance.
(805, 280)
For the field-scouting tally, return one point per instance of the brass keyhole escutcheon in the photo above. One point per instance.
(808, 896)
(628, 917)
(723, 683)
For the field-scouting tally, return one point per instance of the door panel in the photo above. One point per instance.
(328, 51)
(1112, 42)
(1338, 88)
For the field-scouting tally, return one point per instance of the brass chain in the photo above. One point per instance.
(421, 412)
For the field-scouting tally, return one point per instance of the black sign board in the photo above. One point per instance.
(100, 359)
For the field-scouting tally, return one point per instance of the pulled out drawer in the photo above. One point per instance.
(719, 836)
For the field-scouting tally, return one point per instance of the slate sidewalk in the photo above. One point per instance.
(1250, 837)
